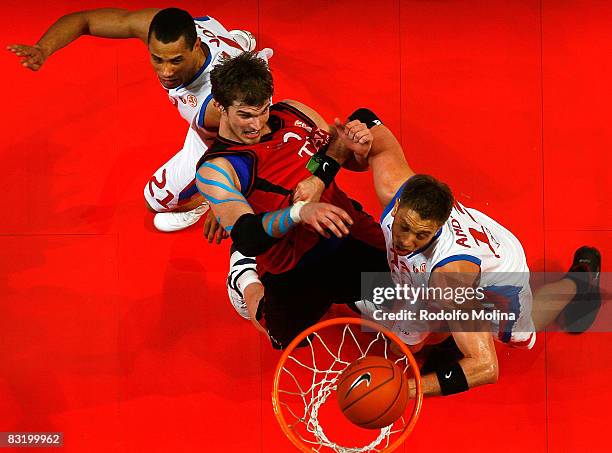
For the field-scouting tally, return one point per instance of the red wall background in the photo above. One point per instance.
(122, 337)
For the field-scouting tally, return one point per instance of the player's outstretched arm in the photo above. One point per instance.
(388, 164)
(103, 22)
(254, 234)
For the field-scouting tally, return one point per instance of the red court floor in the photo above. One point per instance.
(122, 337)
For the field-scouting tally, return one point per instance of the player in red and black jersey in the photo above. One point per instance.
(309, 254)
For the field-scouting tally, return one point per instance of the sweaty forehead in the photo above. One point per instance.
(253, 109)
(413, 220)
(168, 50)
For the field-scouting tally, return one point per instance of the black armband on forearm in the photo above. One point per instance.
(249, 235)
(366, 116)
(452, 379)
(323, 167)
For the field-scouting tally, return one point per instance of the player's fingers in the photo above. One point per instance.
(353, 123)
(31, 66)
(350, 130)
(331, 226)
(32, 63)
(340, 129)
(298, 194)
(220, 235)
(208, 223)
(25, 52)
(344, 223)
(338, 223)
(363, 136)
(319, 229)
(15, 48)
(354, 127)
(357, 133)
(362, 133)
(342, 214)
(211, 232)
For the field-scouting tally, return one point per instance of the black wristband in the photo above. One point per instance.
(452, 379)
(366, 116)
(323, 167)
(249, 235)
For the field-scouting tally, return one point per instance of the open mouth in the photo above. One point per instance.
(401, 251)
(251, 134)
(170, 83)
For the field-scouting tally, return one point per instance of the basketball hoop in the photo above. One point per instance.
(305, 378)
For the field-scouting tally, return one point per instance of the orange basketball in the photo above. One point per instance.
(372, 392)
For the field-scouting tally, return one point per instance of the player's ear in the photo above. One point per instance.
(218, 106)
(395, 207)
(197, 44)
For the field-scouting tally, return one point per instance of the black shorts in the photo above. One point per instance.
(297, 299)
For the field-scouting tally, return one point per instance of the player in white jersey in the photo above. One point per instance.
(467, 235)
(434, 241)
(183, 50)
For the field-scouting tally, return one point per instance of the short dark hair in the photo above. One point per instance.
(428, 197)
(244, 78)
(169, 24)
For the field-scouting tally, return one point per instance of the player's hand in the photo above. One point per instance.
(253, 295)
(213, 230)
(324, 217)
(356, 136)
(33, 57)
(309, 189)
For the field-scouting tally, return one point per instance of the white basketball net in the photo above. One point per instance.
(316, 391)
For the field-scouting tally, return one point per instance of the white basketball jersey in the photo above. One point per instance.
(469, 235)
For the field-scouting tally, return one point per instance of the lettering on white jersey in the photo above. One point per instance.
(459, 233)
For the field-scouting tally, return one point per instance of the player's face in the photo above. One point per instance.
(245, 123)
(174, 62)
(410, 232)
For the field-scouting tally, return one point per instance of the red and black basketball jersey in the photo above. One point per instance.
(278, 165)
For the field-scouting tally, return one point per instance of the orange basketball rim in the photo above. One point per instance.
(320, 389)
